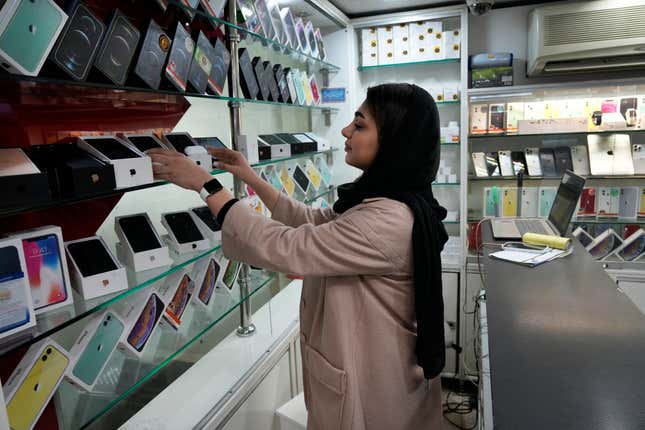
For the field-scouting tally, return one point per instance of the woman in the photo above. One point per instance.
(371, 311)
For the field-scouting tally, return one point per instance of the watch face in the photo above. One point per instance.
(213, 186)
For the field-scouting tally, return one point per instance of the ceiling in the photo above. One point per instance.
(359, 8)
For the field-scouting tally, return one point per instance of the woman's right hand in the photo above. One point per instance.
(233, 162)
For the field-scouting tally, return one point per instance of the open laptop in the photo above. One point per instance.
(564, 205)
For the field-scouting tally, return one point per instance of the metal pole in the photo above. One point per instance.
(246, 327)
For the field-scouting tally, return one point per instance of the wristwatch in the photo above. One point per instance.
(210, 188)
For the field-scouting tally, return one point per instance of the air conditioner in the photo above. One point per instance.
(586, 36)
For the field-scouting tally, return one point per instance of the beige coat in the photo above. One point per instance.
(357, 317)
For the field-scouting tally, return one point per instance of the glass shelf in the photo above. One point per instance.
(550, 178)
(451, 144)
(567, 133)
(621, 221)
(446, 184)
(322, 193)
(451, 222)
(449, 102)
(60, 202)
(124, 375)
(412, 63)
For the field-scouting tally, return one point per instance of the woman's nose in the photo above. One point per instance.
(346, 132)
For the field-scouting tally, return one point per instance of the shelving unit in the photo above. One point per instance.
(411, 63)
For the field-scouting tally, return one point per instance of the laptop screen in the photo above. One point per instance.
(565, 201)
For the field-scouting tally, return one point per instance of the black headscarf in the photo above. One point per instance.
(403, 170)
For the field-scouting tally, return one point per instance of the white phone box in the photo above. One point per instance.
(136, 337)
(187, 247)
(369, 45)
(144, 260)
(16, 307)
(385, 45)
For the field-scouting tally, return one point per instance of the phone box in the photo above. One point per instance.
(401, 37)
(249, 146)
(491, 77)
(230, 270)
(608, 201)
(21, 181)
(32, 253)
(177, 291)
(633, 248)
(279, 149)
(173, 240)
(420, 37)
(180, 141)
(143, 142)
(308, 142)
(98, 284)
(207, 223)
(139, 261)
(385, 45)
(478, 118)
(141, 316)
(128, 172)
(437, 94)
(48, 374)
(514, 113)
(117, 49)
(16, 306)
(452, 43)
(437, 45)
(28, 31)
(180, 58)
(451, 94)
(369, 45)
(206, 273)
(102, 349)
(605, 245)
(152, 55)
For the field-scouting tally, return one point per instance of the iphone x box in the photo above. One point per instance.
(46, 264)
(141, 247)
(118, 48)
(16, 306)
(28, 31)
(207, 223)
(131, 166)
(176, 291)
(73, 172)
(79, 42)
(21, 181)
(95, 271)
(33, 383)
(206, 273)
(93, 348)
(152, 56)
(141, 317)
(183, 234)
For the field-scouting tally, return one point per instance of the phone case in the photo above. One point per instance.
(532, 156)
(529, 207)
(629, 202)
(562, 159)
(519, 162)
(479, 163)
(509, 202)
(547, 161)
(608, 199)
(492, 164)
(491, 202)
(587, 204)
(638, 157)
(580, 159)
(505, 163)
(478, 119)
(545, 200)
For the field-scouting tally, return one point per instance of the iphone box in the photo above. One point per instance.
(131, 166)
(93, 349)
(183, 234)
(420, 36)
(385, 45)
(206, 274)
(177, 291)
(452, 43)
(478, 118)
(16, 306)
(369, 45)
(229, 271)
(44, 365)
(401, 36)
(141, 317)
(46, 263)
(184, 143)
(248, 146)
(140, 247)
(207, 223)
(95, 271)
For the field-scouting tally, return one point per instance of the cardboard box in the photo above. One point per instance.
(21, 181)
(369, 47)
(185, 237)
(141, 316)
(478, 118)
(452, 43)
(514, 113)
(491, 77)
(420, 41)
(155, 256)
(91, 285)
(16, 306)
(401, 36)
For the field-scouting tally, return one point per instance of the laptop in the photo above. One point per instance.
(564, 204)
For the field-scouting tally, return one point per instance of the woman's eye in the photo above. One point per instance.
(358, 126)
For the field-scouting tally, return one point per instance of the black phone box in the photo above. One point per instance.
(200, 68)
(282, 83)
(248, 81)
(263, 82)
(78, 44)
(219, 72)
(23, 190)
(264, 151)
(270, 77)
(563, 159)
(151, 57)
(179, 60)
(73, 172)
(118, 49)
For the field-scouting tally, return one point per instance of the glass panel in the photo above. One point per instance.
(414, 63)
(541, 178)
(509, 136)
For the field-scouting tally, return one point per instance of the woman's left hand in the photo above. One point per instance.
(175, 167)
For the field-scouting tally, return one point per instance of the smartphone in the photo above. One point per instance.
(142, 330)
(505, 163)
(112, 148)
(177, 305)
(301, 179)
(230, 274)
(519, 162)
(43, 378)
(139, 233)
(91, 257)
(205, 214)
(45, 271)
(98, 349)
(13, 294)
(183, 227)
(208, 284)
(492, 164)
(144, 143)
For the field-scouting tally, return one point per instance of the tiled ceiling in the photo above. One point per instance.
(357, 8)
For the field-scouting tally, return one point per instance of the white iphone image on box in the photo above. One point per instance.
(532, 156)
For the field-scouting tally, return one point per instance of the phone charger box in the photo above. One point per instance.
(452, 43)
(141, 316)
(249, 147)
(128, 172)
(52, 370)
(369, 45)
(16, 306)
(144, 260)
(100, 284)
(385, 45)
(80, 375)
(34, 251)
(401, 36)
(21, 181)
(28, 32)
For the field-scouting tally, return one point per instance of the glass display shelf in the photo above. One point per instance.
(548, 178)
(412, 63)
(65, 201)
(124, 375)
(447, 184)
(269, 43)
(451, 222)
(51, 322)
(451, 144)
(321, 193)
(621, 221)
(449, 102)
(565, 133)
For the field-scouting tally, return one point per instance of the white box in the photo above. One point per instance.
(452, 178)
(181, 245)
(41, 241)
(182, 141)
(478, 118)
(230, 270)
(147, 307)
(607, 201)
(369, 45)
(16, 307)
(96, 284)
(385, 45)
(534, 110)
(128, 172)
(419, 41)
(33, 34)
(278, 150)
(437, 94)
(561, 125)
(401, 36)
(206, 273)
(452, 43)
(451, 94)
(514, 114)
(93, 349)
(213, 232)
(248, 146)
(436, 46)
(176, 291)
(33, 371)
(138, 261)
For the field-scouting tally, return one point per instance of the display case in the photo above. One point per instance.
(165, 319)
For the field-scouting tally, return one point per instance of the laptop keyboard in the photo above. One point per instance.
(531, 226)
